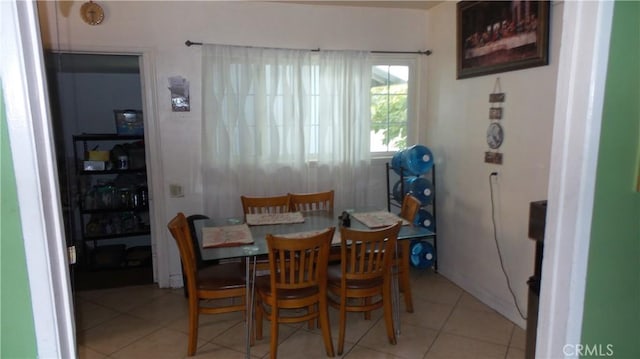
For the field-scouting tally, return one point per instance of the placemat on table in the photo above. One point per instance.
(335, 240)
(378, 219)
(258, 219)
(226, 236)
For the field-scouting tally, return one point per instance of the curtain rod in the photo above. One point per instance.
(190, 43)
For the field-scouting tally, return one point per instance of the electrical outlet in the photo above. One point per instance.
(176, 191)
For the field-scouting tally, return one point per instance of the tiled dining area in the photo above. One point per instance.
(148, 322)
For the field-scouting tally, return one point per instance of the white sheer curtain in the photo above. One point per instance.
(278, 121)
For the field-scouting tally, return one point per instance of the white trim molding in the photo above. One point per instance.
(586, 29)
(29, 127)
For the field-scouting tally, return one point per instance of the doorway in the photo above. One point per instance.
(104, 202)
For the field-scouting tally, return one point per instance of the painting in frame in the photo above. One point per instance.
(500, 36)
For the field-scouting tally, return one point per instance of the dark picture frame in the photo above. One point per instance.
(495, 113)
(500, 36)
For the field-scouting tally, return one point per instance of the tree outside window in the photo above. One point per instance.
(389, 94)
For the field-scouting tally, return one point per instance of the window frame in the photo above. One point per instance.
(410, 60)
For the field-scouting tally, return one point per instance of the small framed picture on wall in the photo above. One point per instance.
(495, 113)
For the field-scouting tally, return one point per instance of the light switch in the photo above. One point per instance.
(175, 191)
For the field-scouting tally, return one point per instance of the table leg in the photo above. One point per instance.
(250, 290)
(247, 316)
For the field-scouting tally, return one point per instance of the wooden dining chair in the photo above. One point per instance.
(200, 263)
(409, 210)
(297, 280)
(256, 205)
(308, 202)
(362, 280)
(274, 204)
(220, 281)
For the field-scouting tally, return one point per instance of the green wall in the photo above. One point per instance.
(17, 333)
(612, 298)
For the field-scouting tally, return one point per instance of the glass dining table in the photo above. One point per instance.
(312, 221)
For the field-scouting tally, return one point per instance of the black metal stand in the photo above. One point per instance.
(391, 201)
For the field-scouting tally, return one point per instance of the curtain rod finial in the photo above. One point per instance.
(188, 43)
(428, 52)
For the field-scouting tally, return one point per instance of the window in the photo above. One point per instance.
(278, 121)
(392, 89)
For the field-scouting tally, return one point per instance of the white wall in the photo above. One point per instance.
(457, 120)
(159, 29)
(453, 118)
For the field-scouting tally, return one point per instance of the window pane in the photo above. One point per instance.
(389, 95)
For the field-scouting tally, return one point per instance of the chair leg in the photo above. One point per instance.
(193, 325)
(343, 323)
(388, 313)
(325, 325)
(274, 332)
(405, 279)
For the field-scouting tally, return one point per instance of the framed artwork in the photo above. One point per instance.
(495, 113)
(499, 36)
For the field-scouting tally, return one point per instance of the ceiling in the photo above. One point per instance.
(417, 4)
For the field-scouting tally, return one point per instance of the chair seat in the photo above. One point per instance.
(334, 276)
(263, 284)
(222, 276)
(221, 281)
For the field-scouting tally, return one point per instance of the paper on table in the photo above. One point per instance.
(257, 219)
(334, 240)
(225, 236)
(378, 219)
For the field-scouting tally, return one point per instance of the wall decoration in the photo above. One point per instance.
(179, 87)
(495, 113)
(497, 97)
(92, 13)
(499, 36)
(495, 132)
(495, 135)
(493, 157)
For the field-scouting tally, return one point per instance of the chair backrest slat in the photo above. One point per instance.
(274, 204)
(369, 254)
(299, 262)
(308, 202)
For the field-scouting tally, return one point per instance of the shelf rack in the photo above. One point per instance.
(430, 207)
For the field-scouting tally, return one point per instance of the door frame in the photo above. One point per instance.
(146, 59)
(582, 70)
(34, 161)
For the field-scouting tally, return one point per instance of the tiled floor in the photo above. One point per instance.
(147, 322)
